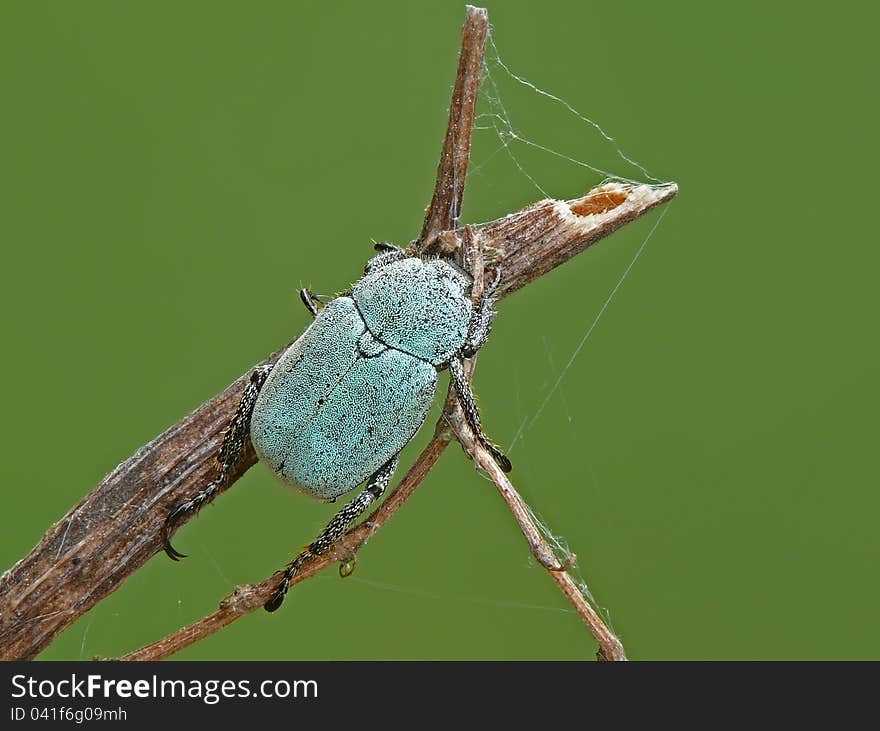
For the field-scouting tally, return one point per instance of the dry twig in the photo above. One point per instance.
(116, 528)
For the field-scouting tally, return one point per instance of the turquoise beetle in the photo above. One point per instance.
(340, 404)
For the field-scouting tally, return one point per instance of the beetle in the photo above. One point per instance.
(351, 392)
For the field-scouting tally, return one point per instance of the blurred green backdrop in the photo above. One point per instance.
(172, 173)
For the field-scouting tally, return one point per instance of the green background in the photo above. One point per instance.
(172, 173)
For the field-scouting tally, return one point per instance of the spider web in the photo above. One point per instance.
(511, 142)
(504, 139)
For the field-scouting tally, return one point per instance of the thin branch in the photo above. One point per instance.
(116, 528)
(445, 205)
(610, 647)
(247, 598)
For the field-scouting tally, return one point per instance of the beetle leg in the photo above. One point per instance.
(469, 404)
(308, 299)
(234, 440)
(481, 319)
(335, 528)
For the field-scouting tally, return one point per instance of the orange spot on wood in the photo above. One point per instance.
(598, 201)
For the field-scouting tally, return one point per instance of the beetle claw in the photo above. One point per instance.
(500, 458)
(168, 530)
(288, 573)
(277, 599)
(275, 602)
(173, 553)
